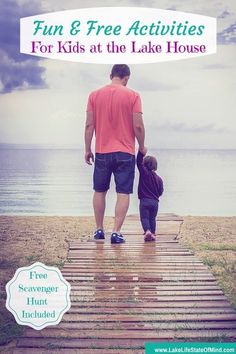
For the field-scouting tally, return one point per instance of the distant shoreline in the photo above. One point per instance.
(27, 215)
(76, 147)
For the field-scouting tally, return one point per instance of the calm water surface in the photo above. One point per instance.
(58, 182)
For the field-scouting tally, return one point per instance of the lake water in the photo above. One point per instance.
(58, 182)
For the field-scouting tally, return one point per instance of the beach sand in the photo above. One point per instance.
(213, 240)
(25, 240)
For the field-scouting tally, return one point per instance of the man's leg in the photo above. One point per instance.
(101, 183)
(123, 170)
(99, 205)
(122, 205)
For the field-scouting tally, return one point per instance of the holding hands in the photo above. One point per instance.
(143, 150)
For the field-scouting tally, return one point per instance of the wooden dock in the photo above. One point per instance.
(126, 295)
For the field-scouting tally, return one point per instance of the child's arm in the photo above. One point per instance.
(140, 166)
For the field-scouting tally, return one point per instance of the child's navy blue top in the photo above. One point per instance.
(150, 184)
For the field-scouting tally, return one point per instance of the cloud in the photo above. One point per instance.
(224, 14)
(93, 78)
(146, 84)
(17, 71)
(215, 66)
(223, 10)
(227, 36)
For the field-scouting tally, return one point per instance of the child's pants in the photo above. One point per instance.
(148, 209)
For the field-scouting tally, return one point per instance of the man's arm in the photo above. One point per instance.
(139, 130)
(88, 136)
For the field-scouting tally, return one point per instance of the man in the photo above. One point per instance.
(114, 112)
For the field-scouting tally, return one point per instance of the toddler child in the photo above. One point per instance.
(150, 188)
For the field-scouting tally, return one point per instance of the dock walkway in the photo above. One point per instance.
(125, 295)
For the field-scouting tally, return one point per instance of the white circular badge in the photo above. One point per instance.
(38, 296)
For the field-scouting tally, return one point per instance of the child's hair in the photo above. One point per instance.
(150, 162)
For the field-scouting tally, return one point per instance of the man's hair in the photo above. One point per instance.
(150, 162)
(120, 70)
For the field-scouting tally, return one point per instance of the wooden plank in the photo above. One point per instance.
(146, 286)
(123, 277)
(139, 268)
(133, 266)
(163, 252)
(151, 248)
(157, 285)
(148, 289)
(100, 264)
(75, 351)
(131, 270)
(155, 256)
(83, 327)
(136, 281)
(147, 293)
(159, 298)
(170, 225)
(138, 273)
(164, 266)
(161, 241)
(152, 259)
(126, 334)
(124, 260)
(166, 261)
(73, 273)
(126, 246)
(145, 325)
(147, 246)
(136, 260)
(98, 253)
(141, 277)
(137, 257)
(141, 258)
(134, 233)
(138, 235)
(171, 264)
(150, 311)
(102, 246)
(142, 317)
(148, 304)
(122, 344)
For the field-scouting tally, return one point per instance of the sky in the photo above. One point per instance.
(187, 104)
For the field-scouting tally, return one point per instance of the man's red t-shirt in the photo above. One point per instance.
(113, 107)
